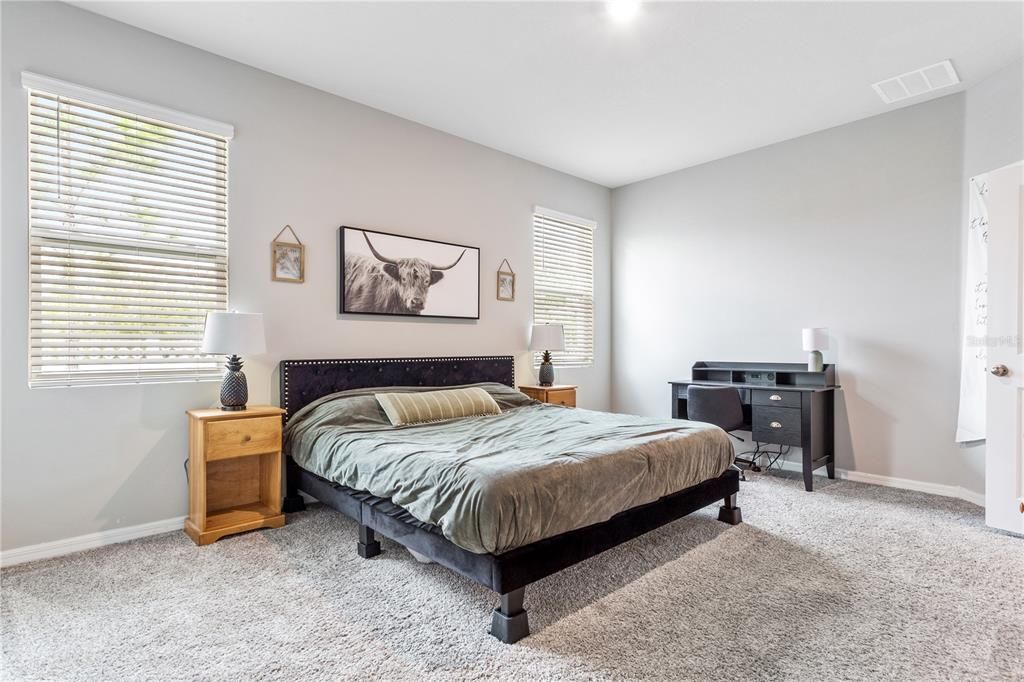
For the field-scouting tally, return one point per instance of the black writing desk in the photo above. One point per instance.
(783, 404)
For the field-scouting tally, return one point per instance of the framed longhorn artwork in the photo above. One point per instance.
(389, 274)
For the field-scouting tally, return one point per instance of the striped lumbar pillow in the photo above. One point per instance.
(432, 406)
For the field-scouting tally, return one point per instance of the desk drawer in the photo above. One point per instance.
(778, 425)
(775, 398)
(241, 437)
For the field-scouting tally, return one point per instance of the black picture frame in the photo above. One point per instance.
(344, 306)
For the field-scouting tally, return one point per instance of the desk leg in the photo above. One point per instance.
(808, 470)
(829, 401)
(817, 437)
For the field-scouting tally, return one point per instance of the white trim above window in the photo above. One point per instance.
(128, 244)
(564, 217)
(53, 86)
(563, 283)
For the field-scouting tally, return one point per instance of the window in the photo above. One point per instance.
(563, 283)
(128, 239)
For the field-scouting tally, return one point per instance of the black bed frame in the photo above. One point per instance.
(508, 574)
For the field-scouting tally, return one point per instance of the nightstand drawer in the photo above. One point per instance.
(566, 397)
(240, 437)
(778, 425)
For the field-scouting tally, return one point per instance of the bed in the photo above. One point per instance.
(554, 536)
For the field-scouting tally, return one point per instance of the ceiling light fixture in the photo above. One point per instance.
(622, 11)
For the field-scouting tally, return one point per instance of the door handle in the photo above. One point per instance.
(1000, 370)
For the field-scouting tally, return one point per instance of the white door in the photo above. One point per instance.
(1004, 449)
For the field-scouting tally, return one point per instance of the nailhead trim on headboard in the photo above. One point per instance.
(303, 381)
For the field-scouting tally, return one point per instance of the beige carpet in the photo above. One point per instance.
(849, 582)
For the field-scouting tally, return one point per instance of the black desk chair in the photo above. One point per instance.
(721, 406)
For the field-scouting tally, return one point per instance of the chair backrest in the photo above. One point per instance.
(718, 405)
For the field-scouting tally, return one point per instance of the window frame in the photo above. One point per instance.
(57, 266)
(578, 223)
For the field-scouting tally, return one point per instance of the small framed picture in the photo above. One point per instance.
(506, 282)
(287, 259)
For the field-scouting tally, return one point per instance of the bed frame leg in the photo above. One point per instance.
(368, 547)
(509, 622)
(729, 512)
(292, 501)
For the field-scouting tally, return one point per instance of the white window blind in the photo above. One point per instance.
(563, 283)
(128, 244)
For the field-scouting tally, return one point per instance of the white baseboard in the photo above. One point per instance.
(46, 550)
(958, 492)
(971, 496)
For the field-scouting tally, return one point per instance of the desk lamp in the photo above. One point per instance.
(815, 341)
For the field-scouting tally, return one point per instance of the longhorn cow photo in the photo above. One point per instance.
(388, 274)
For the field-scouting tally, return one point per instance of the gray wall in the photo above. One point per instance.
(993, 138)
(857, 229)
(994, 121)
(89, 459)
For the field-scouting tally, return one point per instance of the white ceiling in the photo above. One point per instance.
(561, 85)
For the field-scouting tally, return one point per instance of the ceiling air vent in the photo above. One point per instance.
(914, 83)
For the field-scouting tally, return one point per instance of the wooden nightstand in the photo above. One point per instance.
(234, 472)
(556, 395)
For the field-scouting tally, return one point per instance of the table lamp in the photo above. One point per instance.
(232, 334)
(815, 341)
(547, 337)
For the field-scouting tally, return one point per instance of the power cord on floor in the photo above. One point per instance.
(761, 450)
(782, 452)
(750, 457)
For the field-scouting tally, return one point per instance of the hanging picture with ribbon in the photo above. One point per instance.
(287, 259)
(506, 281)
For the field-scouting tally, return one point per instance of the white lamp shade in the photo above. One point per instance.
(547, 337)
(815, 338)
(234, 334)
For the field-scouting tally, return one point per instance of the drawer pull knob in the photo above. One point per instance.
(246, 438)
(775, 396)
(776, 425)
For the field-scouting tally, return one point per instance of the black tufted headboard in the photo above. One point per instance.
(303, 381)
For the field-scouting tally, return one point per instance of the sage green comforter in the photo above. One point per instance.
(497, 482)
